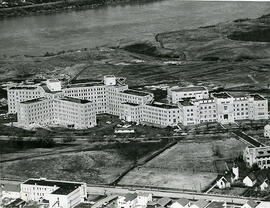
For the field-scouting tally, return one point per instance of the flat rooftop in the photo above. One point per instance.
(163, 105)
(87, 84)
(257, 97)
(135, 92)
(47, 90)
(75, 100)
(64, 188)
(189, 89)
(132, 104)
(23, 88)
(33, 100)
(222, 95)
(186, 102)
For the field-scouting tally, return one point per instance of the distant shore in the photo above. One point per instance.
(62, 6)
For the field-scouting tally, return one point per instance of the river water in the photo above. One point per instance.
(116, 24)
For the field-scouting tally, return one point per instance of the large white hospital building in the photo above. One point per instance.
(76, 105)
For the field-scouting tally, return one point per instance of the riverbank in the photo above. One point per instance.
(63, 6)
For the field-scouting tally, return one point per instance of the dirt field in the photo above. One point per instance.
(185, 162)
(90, 167)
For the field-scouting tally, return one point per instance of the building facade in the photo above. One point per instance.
(257, 155)
(60, 194)
(76, 105)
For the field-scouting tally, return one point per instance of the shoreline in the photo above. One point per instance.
(63, 6)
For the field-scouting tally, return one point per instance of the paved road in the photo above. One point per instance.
(120, 190)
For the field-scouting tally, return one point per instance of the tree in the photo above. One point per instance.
(44, 138)
(68, 138)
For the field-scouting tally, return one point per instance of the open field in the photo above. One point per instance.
(187, 161)
(91, 167)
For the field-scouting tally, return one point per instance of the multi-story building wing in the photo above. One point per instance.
(175, 94)
(257, 155)
(58, 193)
(190, 105)
(160, 114)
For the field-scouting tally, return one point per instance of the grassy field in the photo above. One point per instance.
(187, 161)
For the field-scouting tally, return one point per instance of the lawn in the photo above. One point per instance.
(187, 165)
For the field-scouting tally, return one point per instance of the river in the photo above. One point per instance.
(112, 25)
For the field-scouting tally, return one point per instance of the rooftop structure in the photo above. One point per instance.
(75, 100)
(136, 92)
(188, 89)
(222, 95)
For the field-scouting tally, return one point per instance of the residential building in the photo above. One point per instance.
(59, 193)
(217, 204)
(200, 204)
(165, 201)
(250, 180)
(264, 185)
(267, 131)
(181, 203)
(249, 204)
(257, 155)
(132, 200)
(10, 190)
(264, 204)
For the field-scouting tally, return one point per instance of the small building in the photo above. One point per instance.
(250, 180)
(181, 203)
(124, 131)
(11, 190)
(127, 201)
(264, 185)
(59, 193)
(250, 204)
(226, 180)
(200, 204)
(143, 199)
(267, 131)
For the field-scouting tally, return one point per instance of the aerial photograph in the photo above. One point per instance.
(134, 104)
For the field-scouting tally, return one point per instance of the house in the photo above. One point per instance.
(181, 203)
(127, 201)
(250, 204)
(143, 199)
(267, 131)
(217, 204)
(250, 180)
(263, 204)
(226, 180)
(223, 183)
(17, 203)
(11, 190)
(200, 204)
(165, 201)
(264, 185)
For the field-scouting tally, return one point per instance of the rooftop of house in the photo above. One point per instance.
(163, 105)
(188, 89)
(135, 92)
(216, 204)
(252, 203)
(164, 201)
(53, 80)
(183, 201)
(257, 97)
(130, 196)
(64, 188)
(222, 95)
(75, 100)
(23, 88)
(252, 176)
(201, 203)
(10, 187)
(33, 100)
